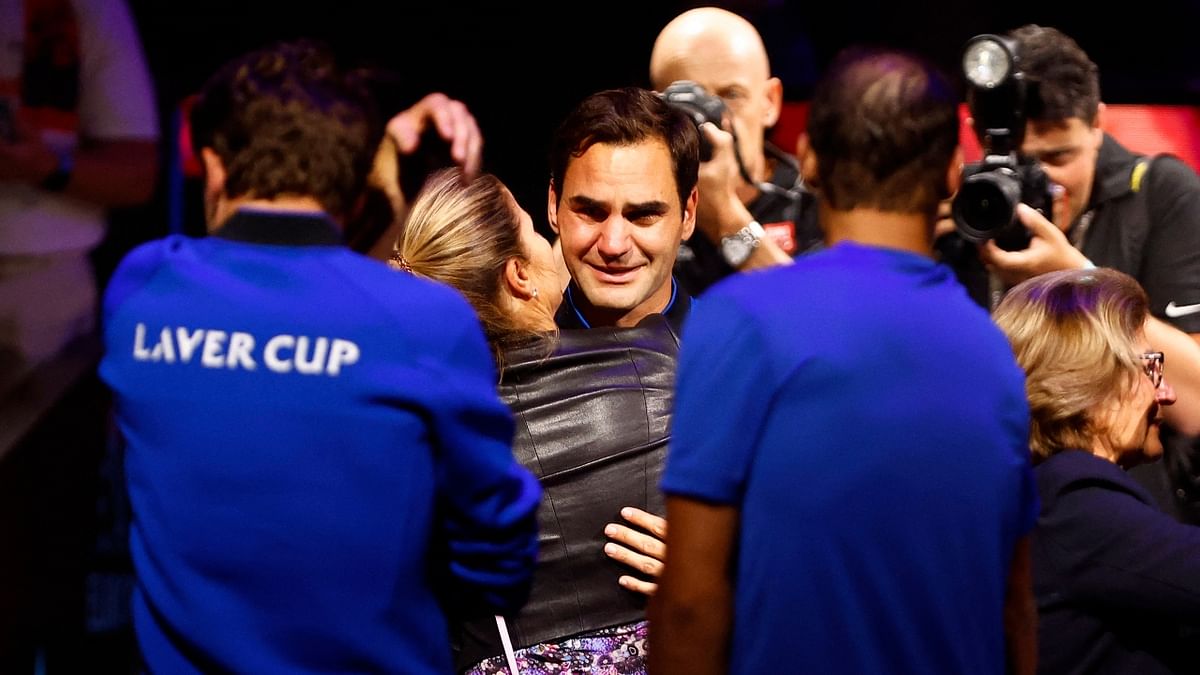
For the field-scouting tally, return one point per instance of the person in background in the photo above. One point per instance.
(724, 54)
(78, 135)
(317, 460)
(1117, 580)
(848, 484)
(1136, 214)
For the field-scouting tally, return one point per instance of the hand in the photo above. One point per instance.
(645, 553)
(1048, 251)
(454, 123)
(720, 212)
(945, 219)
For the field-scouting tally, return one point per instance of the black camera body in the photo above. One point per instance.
(986, 204)
(699, 105)
(998, 96)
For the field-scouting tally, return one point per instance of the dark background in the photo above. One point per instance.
(520, 68)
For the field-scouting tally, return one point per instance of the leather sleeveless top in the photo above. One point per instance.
(592, 421)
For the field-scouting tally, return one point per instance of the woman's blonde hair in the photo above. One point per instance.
(462, 233)
(1074, 333)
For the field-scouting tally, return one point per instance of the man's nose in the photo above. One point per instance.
(614, 237)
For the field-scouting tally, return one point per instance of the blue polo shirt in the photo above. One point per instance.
(869, 422)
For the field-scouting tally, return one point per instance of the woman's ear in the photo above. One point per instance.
(518, 280)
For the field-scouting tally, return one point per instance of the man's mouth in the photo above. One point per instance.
(616, 275)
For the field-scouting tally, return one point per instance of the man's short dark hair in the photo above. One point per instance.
(285, 120)
(624, 117)
(1067, 83)
(884, 127)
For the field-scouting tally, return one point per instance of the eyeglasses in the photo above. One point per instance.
(1152, 363)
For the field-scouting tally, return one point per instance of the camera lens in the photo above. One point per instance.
(986, 205)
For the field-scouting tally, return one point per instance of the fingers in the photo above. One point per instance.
(1038, 225)
(1061, 204)
(656, 525)
(641, 552)
(722, 141)
(945, 220)
(454, 123)
(637, 585)
(645, 564)
(405, 130)
(456, 126)
(642, 543)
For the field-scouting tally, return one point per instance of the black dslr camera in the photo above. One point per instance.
(699, 105)
(998, 96)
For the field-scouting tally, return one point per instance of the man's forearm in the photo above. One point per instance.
(690, 635)
(692, 614)
(1020, 613)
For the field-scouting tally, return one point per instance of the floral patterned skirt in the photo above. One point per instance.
(619, 650)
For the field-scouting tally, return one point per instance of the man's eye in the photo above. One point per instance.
(1058, 158)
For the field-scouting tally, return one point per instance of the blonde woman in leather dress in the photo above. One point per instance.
(592, 409)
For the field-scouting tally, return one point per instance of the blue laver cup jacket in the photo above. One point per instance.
(317, 458)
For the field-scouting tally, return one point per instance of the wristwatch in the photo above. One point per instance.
(737, 247)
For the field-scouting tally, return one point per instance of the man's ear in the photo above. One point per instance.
(552, 209)
(214, 171)
(953, 174)
(1098, 123)
(808, 161)
(774, 94)
(517, 279)
(214, 187)
(689, 214)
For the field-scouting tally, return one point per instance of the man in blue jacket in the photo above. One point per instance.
(316, 455)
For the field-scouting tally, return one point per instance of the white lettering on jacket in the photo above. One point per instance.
(235, 350)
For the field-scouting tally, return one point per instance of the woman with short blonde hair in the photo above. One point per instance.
(1117, 580)
(1074, 334)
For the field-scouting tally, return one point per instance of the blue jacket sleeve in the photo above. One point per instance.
(487, 501)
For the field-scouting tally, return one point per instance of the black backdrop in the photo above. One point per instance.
(520, 68)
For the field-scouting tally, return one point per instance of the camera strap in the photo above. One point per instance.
(1078, 234)
(797, 188)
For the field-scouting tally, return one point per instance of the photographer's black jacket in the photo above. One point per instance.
(592, 424)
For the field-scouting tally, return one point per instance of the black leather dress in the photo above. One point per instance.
(592, 420)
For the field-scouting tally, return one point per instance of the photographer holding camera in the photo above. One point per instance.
(753, 211)
(1133, 213)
